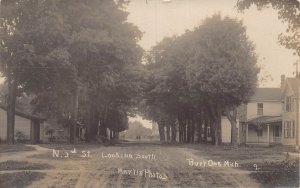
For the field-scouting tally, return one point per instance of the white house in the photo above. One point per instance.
(261, 117)
(290, 116)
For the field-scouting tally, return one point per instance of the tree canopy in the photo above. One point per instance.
(200, 75)
(76, 57)
(288, 11)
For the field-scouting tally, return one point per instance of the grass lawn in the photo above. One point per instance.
(275, 167)
(19, 179)
(278, 174)
(245, 154)
(22, 178)
(14, 148)
(80, 146)
(23, 165)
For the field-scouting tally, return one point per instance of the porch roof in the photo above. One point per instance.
(264, 120)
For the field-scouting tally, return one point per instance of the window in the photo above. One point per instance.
(289, 129)
(260, 108)
(288, 104)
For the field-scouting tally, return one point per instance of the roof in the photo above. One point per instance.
(294, 83)
(265, 120)
(25, 114)
(266, 94)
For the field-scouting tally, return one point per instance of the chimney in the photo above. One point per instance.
(282, 81)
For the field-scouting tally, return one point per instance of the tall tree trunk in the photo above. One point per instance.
(181, 132)
(205, 130)
(110, 134)
(174, 132)
(161, 130)
(199, 130)
(184, 132)
(193, 131)
(116, 136)
(103, 126)
(88, 123)
(212, 131)
(168, 132)
(215, 111)
(218, 128)
(93, 124)
(231, 114)
(188, 131)
(102, 129)
(11, 103)
(75, 116)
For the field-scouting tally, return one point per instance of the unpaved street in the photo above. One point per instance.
(135, 165)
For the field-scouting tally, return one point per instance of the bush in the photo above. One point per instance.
(20, 136)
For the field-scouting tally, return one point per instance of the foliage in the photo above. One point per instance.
(20, 136)
(55, 48)
(288, 11)
(278, 174)
(200, 74)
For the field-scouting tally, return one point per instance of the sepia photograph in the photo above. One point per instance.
(149, 93)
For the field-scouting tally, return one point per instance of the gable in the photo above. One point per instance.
(291, 86)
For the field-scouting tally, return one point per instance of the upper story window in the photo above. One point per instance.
(288, 104)
(260, 108)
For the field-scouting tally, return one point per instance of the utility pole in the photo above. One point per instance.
(296, 72)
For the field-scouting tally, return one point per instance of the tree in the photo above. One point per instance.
(201, 75)
(69, 53)
(166, 91)
(288, 11)
(223, 67)
(18, 19)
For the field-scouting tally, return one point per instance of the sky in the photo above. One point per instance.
(157, 19)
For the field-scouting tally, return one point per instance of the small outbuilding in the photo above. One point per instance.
(27, 126)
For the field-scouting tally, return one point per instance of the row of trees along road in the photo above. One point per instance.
(195, 78)
(79, 59)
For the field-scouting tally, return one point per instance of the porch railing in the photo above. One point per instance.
(276, 140)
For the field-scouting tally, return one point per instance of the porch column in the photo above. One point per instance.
(32, 132)
(246, 133)
(268, 134)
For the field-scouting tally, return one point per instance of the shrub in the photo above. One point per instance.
(273, 174)
(20, 136)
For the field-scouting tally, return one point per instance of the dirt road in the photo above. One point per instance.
(137, 165)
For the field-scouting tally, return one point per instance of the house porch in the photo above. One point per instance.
(263, 130)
